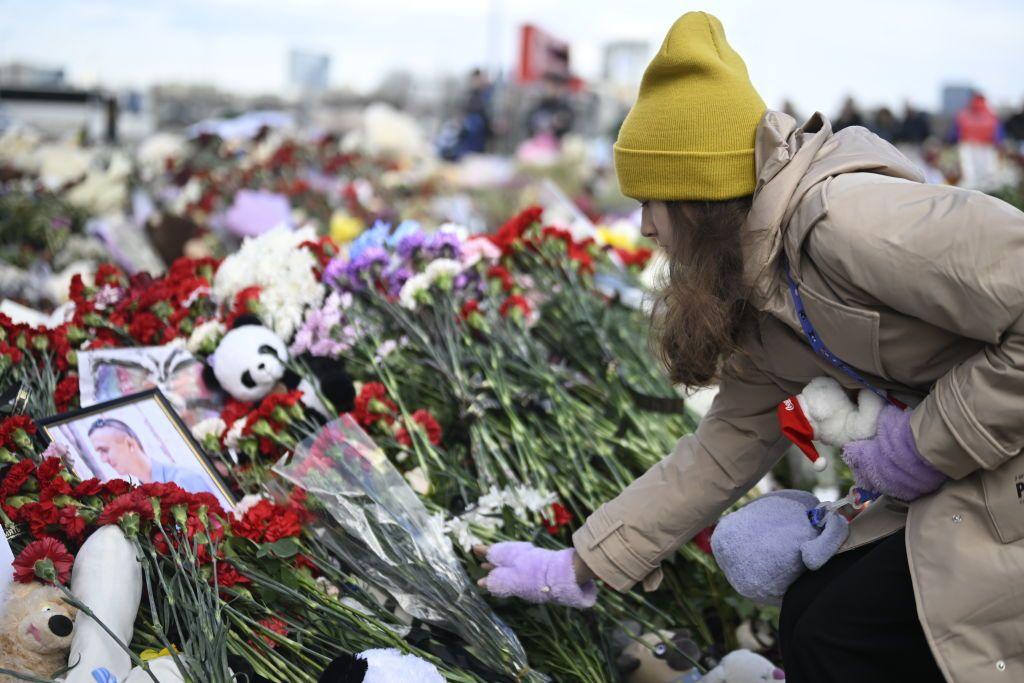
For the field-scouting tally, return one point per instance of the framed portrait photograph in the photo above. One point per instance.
(108, 374)
(139, 438)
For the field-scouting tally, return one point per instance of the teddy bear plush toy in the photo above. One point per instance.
(763, 547)
(36, 631)
(251, 361)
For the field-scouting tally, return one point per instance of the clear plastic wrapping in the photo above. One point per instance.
(374, 522)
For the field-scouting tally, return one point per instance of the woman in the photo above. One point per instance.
(919, 288)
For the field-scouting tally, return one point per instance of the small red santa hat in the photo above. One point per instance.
(797, 428)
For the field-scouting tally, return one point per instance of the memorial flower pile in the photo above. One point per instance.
(498, 377)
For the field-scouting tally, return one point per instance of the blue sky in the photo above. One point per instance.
(809, 50)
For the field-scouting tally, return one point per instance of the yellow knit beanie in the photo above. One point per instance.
(690, 134)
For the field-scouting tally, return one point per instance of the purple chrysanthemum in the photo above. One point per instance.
(410, 245)
(396, 279)
(366, 266)
(444, 244)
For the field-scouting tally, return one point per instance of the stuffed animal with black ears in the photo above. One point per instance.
(646, 657)
(381, 666)
(251, 361)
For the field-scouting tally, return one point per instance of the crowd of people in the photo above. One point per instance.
(975, 148)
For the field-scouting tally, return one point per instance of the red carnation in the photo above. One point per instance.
(234, 411)
(373, 405)
(245, 302)
(427, 422)
(89, 487)
(123, 505)
(703, 539)
(146, 328)
(56, 486)
(15, 432)
(469, 308)
(228, 575)
(266, 522)
(560, 517)
(552, 232)
(634, 258)
(580, 253)
(49, 468)
(515, 302)
(108, 274)
(512, 231)
(16, 477)
(117, 487)
(9, 355)
(501, 273)
(285, 524)
(72, 523)
(277, 626)
(39, 516)
(47, 559)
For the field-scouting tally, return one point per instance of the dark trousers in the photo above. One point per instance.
(855, 620)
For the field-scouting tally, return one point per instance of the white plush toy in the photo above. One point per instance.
(107, 578)
(824, 412)
(743, 666)
(381, 666)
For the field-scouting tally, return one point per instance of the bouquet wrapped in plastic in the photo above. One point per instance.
(371, 519)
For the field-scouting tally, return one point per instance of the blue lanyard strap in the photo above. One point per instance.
(815, 341)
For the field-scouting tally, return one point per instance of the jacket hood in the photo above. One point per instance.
(789, 161)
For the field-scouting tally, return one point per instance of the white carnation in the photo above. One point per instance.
(211, 426)
(418, 480)
(534, 500)
(202, 333)
(234, 433)
(443, 267)
(282, 270)
(459, 530)
(413, 286)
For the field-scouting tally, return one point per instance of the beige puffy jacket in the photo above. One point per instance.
(921, 288)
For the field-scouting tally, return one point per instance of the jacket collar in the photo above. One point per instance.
(789, 161)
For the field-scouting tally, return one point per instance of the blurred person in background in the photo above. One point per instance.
(977, 133)
(553, 114)
(849, 115)
(885, 125)
(1014, 126)
(931, 162)
(472, 132)
(915, 127)
(791, 244)
(476, 113)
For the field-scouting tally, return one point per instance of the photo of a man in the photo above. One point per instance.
(120, 448)
(140, 438)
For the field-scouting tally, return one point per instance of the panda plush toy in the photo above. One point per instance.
(251, 361)
(381, 666)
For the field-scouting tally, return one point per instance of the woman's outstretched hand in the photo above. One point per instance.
(537, 575)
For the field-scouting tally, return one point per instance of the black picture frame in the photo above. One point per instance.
(47, 425)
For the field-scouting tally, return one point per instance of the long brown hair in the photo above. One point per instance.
(701, 307)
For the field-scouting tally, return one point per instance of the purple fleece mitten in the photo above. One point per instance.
(767, 544)
(890, 463)
(537, 575)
